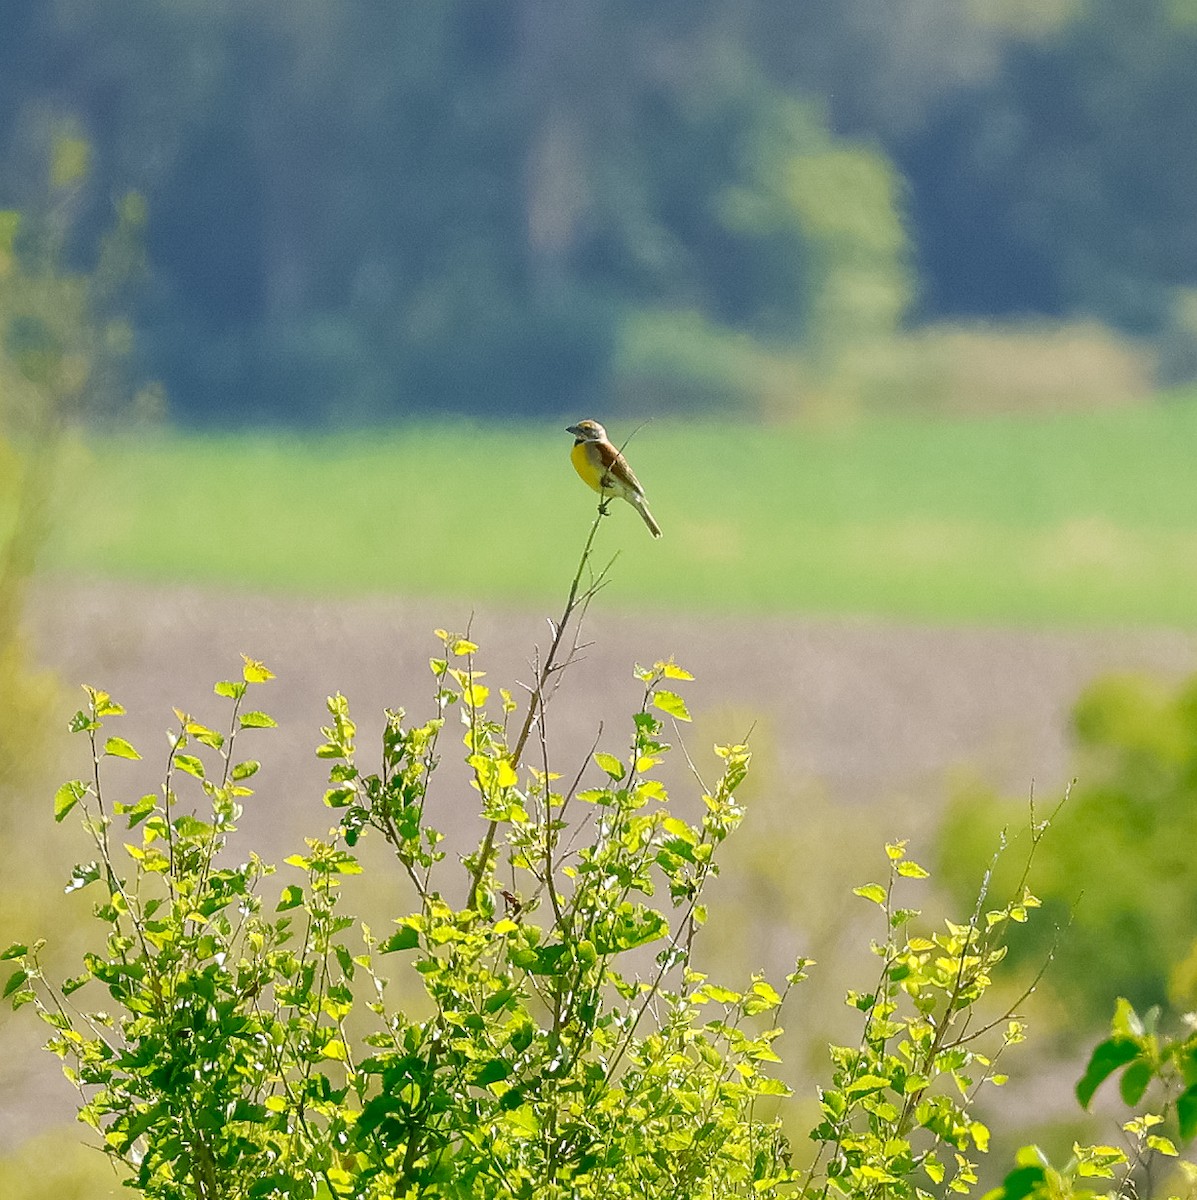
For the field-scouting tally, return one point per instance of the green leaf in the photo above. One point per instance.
(1186, 1112)
(1134, 1082)
(292, 897)
(190, 764)
(139, 810)
(911, 870)
(713, 991)
(404, 938)
(671, 670)
(1106, 1058)
(1031, 1156)
(335, 1049)
(254, 671)
(1020, 1183)
(70, 986)
(15, 980)
(204, 735)
(257, 720)
(1126, 1022)
(1098, 1162)
(546, 960)
(67, 797)
(767, 993)
(610, 764)
(16, 950)
(980, 1135)
(82, 875)
(103, 703)
(243, 770)
(671, 703)
(866, 1084)
(230, 690)
(189, 826)
(492, 1072)
(871, 891)
(771, 1087)
(119, 748)
(1161, 1145)
(81, 722)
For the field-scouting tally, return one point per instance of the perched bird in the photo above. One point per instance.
(603, 468)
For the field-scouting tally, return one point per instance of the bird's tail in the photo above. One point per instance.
(639, 504)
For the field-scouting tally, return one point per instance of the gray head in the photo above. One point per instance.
(587, 431)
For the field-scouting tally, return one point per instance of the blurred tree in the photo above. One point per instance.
(1042, 191)
(883, 70)
(65, 355)
(1116, 867)
(366, 210)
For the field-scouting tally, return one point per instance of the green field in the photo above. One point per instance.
(1078, 519)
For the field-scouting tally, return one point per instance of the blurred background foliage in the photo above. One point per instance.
(363, 212)
(65, 354)
(1115, 872)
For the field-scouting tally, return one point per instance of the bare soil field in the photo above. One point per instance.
(867, 707)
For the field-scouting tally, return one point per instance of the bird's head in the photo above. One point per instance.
(588, 431)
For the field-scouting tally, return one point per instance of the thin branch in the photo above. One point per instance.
(577, 598)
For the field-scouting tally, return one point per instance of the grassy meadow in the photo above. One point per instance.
(1086, 518)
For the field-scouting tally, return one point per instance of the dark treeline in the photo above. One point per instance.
(367, 209)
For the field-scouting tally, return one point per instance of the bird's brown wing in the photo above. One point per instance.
(615, 465)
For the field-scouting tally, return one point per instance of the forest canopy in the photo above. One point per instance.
(360, 212)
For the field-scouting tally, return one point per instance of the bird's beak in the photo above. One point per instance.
(573, 429)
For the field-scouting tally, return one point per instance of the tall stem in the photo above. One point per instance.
(577, 599)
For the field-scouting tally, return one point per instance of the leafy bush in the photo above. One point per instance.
(1149, 1061)
(558, 1060)
(566, 1043)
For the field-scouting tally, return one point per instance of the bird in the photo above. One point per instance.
(603, 468)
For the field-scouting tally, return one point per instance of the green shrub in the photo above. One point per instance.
(560, 1058)
(232, 1039)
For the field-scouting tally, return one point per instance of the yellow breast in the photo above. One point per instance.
(587, 464)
